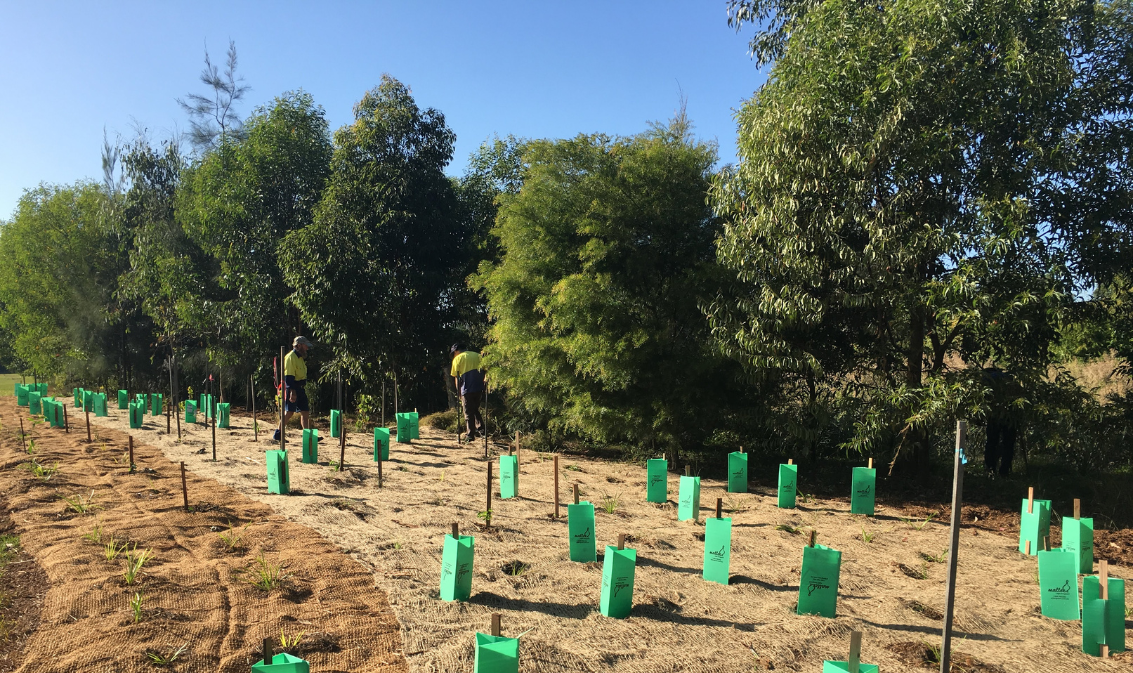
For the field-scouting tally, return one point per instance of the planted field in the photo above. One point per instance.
(891, 586)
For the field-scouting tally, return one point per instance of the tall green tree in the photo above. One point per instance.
(607, 250)
(885, 223)
(375, 273)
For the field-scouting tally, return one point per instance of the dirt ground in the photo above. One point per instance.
(71, 604)
(892, 588)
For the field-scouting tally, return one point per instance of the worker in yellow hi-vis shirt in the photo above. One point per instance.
(295, 379)
(468, 375)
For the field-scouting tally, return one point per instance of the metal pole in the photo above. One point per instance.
(954, 545)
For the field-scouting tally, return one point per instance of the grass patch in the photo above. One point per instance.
(134, 562)
(786, 528)
(96, 534)
(574, 468)
(290, 642)
(610, 503)
(233, 539)
(158, 658)
(136, 606)
(40, 471)
(265, 575)
(81, 505)
(516, 568)
(867, 537)
(917, 524)
(935, 559)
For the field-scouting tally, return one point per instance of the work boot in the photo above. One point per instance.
(275, 436)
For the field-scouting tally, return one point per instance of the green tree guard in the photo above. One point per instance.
(34, 406)
(310, 445)
(123, 399)
(717, 549)
(617, 582)
(282, 663)
(190, 411)
(509, 473)
(788, 485)
(1058, 585)
(688, 499)
(1078, 538)
(381, 443)
(580, 527)
(335, 423)
(456, 568)
(737, 472)
(496, 654)
(1034, 525)
(863, 493)
(278, 477)
(223, 415)
(657, 480)
(818, 584)
(1103, 621)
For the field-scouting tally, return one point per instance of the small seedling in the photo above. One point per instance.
(787, 528)
(610, 503)
(113, 549)
(333, 464)
(574, 468)
(918, 524)
(81, 505)
(806, 498)
(136, 606)
(867, 537)
(517, 568)
(932, 653)
(922, 572)
(41, 472)
(233, 539)
(264, 574)
(442, 477)
(485, 516)
(9, 545)
(292, 642)
(935, 559)
(31, 447)
(158, 659)
(402, 468)
(134, 563)
(95, 535)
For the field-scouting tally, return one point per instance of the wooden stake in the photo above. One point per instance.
(282, 402)
(621, 540)
(342, 440)
(131, 438)
(853, 663)
(687, 473)
(1030, 500)
(1077, 509)
(488, 509)
(268, 659)
(485, 420)
(496, 624)
(1103, 579)
(252, 395)
(870, 465)
(719, 508)
(168, 416)
(1046, 543)
(556, 467)
(456, 531)
(379, 467)
(87, 411)
(213, 409)
(66, 425)
(576, 494)
(23, 437)
(954, 545)
(813, 537)
(184, 487)
(1028, 548)
(790, 461)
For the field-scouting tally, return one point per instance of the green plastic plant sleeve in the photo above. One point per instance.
(224, 415)
(137, 414)
(34, 407)
(100, 404)
(788, 485)
(496, 654)
(1058, 585)
(862, 495)
(1035, 526)
(123, 399)
(1103, 622)
(657, 480)
(818, 584)
(16, 390)
(617, 582)
(190, 411)
(509, 471)
(42, 388)
(78, 397)
(717, 549)
(278, 478)
(282, 663)
(310, 445)
(381, 443)
(404, 429)
(156, 404)
(843, 667)
(21, 395)
(580, 528)
(414, 425)
(737, 472)
(456, 568)
(1078, 538)
(88, 400)
(335, 423)
(688, 499)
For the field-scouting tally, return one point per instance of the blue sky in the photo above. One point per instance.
(533, 69)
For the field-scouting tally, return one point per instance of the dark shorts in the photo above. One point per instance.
(300, 403)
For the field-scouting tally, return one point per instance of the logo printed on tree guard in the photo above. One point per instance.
(581, 538)
(789, 485)
(1060, 593)
(620, 583)
(446, 570)
(655, 479)
(815, 584)
(462, 571)
(864, 491)
(718, 556)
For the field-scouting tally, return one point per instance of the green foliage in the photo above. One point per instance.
(134, 562)
(606, 254)
(158, 658)
(136, 606)
(264, 574)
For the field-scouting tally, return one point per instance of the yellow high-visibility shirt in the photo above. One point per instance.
(293, 365)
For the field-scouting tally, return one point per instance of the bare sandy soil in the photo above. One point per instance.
(889, 589)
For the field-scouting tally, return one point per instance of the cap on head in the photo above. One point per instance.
(302, 341)
(455, 348)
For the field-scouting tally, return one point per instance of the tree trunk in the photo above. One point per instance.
(916, 442)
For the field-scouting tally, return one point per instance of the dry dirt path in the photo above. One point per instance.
(195, 590)
(679, 622)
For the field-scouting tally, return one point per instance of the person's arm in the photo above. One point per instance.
(289, 381)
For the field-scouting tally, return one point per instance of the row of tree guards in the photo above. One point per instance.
(1102, 610)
